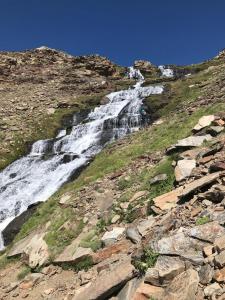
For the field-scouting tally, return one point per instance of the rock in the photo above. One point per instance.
(145, 225)
(190, 154)
(219, 275)
(133, 234)
(219, 243)
(214, 130)
(204, 122)
(138, 195)
(108, 283)
(184, 168)
(170, 199)
(195, 211)
(208, 250)
(212, 289)
(119, 247)
(206, 203)
(193, 141)
(207, 232)
(113, 235)
(31, 280)
(166, 268)
(220, 259)
(115, 219)
(74, 256)
(64, 199)
(218, 166)
(34, 247)
(124, 205)
(147, 291)
(182, 245)
(129, 289)
(206, 274)
(158, 178)
(183, 287)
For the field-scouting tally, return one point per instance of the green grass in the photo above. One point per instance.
(147, 260)
(23, 273)
(203, 220)
(85, 265)
(91, 240)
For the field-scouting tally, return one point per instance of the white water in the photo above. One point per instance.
(51, 163)
(166, 71)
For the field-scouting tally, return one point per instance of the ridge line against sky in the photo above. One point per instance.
(163, 32)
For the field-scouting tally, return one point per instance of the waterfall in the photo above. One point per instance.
(51, 163)
(167, 72)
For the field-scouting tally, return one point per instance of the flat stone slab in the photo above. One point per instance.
(204, 122)
(114, 234)
(193, 141)
(74, 256)
(184, 168)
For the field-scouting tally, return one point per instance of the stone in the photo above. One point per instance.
(138, 195)
(193, 141)
(219, 243)
(133, 234)
(108, 283)
(31, 280)
(34, 247)
(115, 219)
(74, 256)
(190, 154)
(218, 166)
(220, 259)
(158, 178)
(113, 235)
(182, 245)
(170, 199)
(208, 250)
(183, 287)
(184, 168)
(64, 199)
(214, 130)
(205, 274)
(212, 289)
(219, 275)
(204, 122)
(195, 211)
(207, 232)
(119, 247)
(147, 291)
(129, 289)
(206, 203)
(124, 205)
(145, 225)
(165, 269)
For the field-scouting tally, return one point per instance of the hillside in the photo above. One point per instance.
(145, 218)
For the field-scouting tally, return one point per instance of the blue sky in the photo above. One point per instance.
(162, 31)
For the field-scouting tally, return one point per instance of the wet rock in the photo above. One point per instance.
(206, 274)
(113, 235)
(108, 283)
(158, 178)
(35, 249)
(183, 287)
(184, 168)
(166, 268)
(212, 289)
(204, 122)
(74, 256)
(133, 234)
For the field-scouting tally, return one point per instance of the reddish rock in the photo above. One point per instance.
(148, 291)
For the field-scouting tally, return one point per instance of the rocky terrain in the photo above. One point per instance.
(146, 219)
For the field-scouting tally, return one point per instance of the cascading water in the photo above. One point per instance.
(52, 162)
(167, 72)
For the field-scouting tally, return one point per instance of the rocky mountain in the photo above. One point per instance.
(145, 218)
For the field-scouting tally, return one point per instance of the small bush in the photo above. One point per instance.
(147, 260)
(23, 273)
(202, 220)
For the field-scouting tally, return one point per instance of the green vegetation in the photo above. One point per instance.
(23, 273)
(92, 241)
(203, 220)
(4, 261)
(84, 264)
(147, 260)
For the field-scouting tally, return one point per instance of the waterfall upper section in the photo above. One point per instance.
(52, 162)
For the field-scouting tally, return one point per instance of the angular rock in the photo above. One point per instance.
(138, 195)
(184, 168)
(183, 287)
(128, 291)
(75, 256)
(220, 259)
(166, 268)
(214, 130)
(115, 219)
(168, 200)
(147, 291)
(108, 283)
(34, 247)
(193, 141)
(133, 234)
(212, 289)
(190, 154)
(204, 122)
(206, 274)
(158, 178)
(218, 166)
(219, 243)
(219, 275)
(113, 235)
(145, 225)
(207, 232)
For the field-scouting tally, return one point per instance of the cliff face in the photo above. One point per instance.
(38, 87)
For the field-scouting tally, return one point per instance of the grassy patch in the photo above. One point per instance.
(203, 220)
(23, 273)
(147, 260)
(92, 241)
(85, 265)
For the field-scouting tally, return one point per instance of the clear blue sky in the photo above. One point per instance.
(162, 31)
